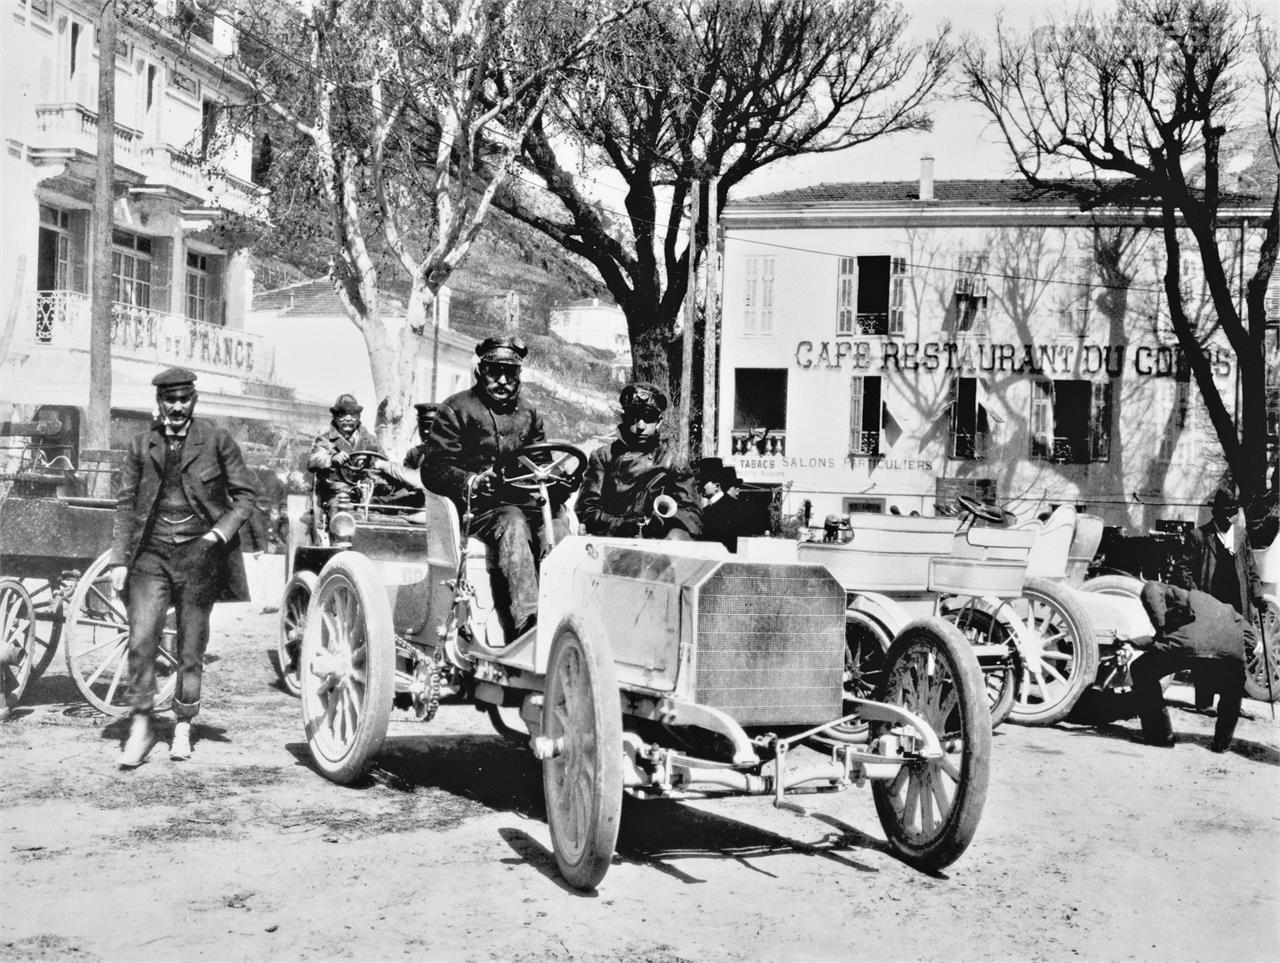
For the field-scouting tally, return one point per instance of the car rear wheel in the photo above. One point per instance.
(930, 810)
(1001, 676)
(293, 625)
(347, 669)
(1064, 657)
(582, 719)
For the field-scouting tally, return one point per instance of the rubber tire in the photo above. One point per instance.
(582, 689)
(81, 639)
(1001, 703)
(1255, 677)
(866, 641)
(1083, 664)
(17, 639)
(349, 581)
(969, 721)
(1124, 585)
(293, 618)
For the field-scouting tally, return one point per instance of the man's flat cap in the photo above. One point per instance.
(642, 393)
(427, 407)
(346, 403)
(508, 350)
(174, 377)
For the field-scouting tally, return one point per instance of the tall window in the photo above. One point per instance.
(1073, 317)
(971, 292)
(53, 268)
(198, 286)
(757, 307)
(73, 58)
(131, 268)
(210, 111)
(865, 415)
(1071, 421)
(970, 420)
(871, 295)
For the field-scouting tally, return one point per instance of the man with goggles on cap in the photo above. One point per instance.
(624, 477)
(472, 432)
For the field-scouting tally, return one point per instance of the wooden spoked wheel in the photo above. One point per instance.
(930, 810)
(1001, 676)
(1063, 660)
(582, 718)
(293, 625)
(17, 641)
(347, 670)
(96, 642)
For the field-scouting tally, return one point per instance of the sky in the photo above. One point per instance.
(960, 144)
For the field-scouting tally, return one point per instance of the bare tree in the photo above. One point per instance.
(410, 115)
(696, 89)
(1150, 91)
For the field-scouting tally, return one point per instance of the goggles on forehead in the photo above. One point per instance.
(500, 369)
(642, 412)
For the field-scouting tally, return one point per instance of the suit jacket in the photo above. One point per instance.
(320, 461)
(1194, 623)
(723, 521)
(218, 485)
(614, 487)
(468, 436)
(1195, 569)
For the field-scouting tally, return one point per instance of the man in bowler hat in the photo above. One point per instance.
(624, 477)
(184, 493)
(472, 432)
(331, 451)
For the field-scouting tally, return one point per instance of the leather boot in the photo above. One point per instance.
(141, 739)
(180, 747)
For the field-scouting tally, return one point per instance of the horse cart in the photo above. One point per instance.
(656, 670)
(54, 583)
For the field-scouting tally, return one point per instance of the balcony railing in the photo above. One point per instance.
(758, 441)
(62, 320)
(864, 443)
(169, 166)
(75, 126)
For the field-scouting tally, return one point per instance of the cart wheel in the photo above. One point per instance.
(17, 641)
(930, 810)
(347, 668)
(293, 623)
(582, 715)
(1256, 669)
(1065, 659)
(1002, 677)
(96, 643)
(48, 608)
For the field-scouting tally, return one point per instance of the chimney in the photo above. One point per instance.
(926, 178)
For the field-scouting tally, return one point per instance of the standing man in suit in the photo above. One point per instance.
(1217, 559)
(721, 513)
(184, 493)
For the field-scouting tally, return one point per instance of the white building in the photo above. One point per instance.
(886, 345)
(184, 201)
(595, 323)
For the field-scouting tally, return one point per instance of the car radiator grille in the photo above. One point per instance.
(770, 647)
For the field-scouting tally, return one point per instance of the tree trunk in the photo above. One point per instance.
(98, 413)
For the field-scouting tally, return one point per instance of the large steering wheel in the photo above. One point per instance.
(987, 512)
(359, 464)
(550, 463)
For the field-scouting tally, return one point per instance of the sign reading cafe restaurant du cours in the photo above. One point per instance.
(1066, 357)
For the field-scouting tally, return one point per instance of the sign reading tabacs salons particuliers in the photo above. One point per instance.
(1056, 358)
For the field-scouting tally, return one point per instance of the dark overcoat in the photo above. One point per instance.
(218, 485)
(469, 436)
(614, 487)
(1195, 568)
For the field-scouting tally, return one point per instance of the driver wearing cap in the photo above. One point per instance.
(472, 432)
(331, 451)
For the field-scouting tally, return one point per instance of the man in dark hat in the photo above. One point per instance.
(1216, 558)
(1196, 631)
(184, 494)
(624, 477)
(426, 414)
(331, 451)
(472, 432)
(722, 519)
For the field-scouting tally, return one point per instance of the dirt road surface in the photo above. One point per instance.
(1091, 847)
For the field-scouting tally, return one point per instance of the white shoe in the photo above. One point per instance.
(180, 747)
(141, 739)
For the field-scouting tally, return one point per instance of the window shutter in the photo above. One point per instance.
(749, 295)
(1100, 422)
(846, 295)
(766, 296)
(897, 295)
(953, 410)
(161, 277)
(217, 303)
(855, 413)
(1042, 419)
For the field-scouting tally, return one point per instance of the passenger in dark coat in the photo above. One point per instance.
(331, 451)
(624, 477)
(1193, 630)
(184, 494)
(426, 414)
(472, 432)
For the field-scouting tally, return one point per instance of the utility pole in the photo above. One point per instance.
(98, 414)
(690, 324)
(711, 322)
